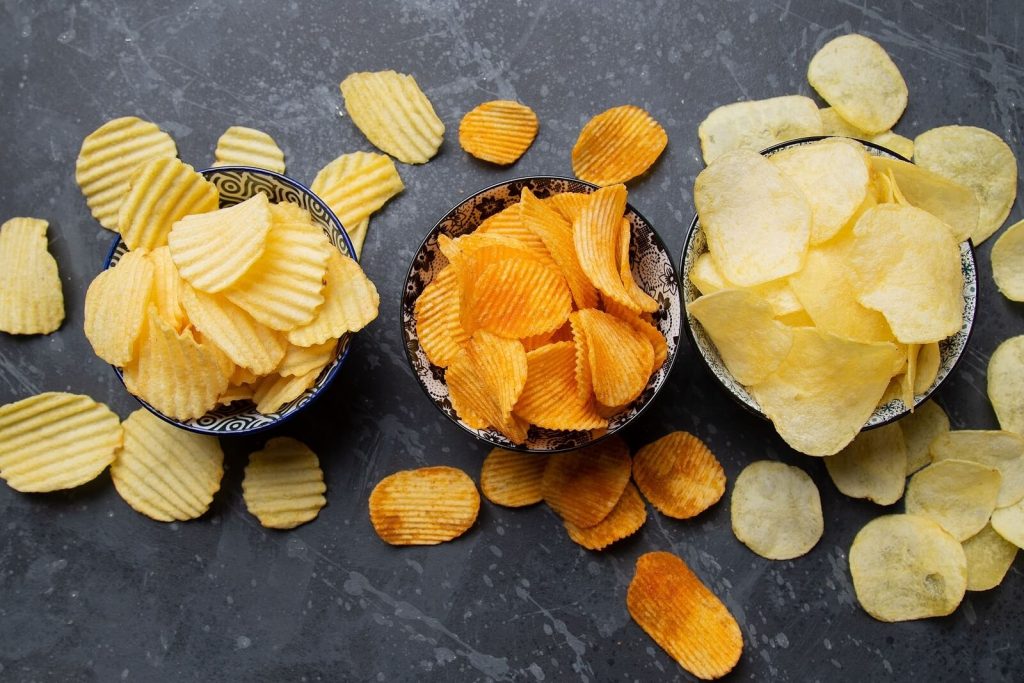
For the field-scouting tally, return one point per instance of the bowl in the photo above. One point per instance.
(236, 184)
(652, 268)
(950, 349)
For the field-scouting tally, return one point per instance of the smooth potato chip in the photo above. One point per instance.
(356, 185)
(834, 124)
(301, 360)
(958, 495)
(625, 519)
(954, 204)
(438, 319)
(557, 234)
(245, 341)
(1001, 450)
(115, 308)
(516, 296)
(549, 398)
(1008, 262)
(620, 357)
(705, 275)
(32, 301)
(283, 485)
(596, 234)
(679, 475)
(872, 466)
(1006, 384)
(241, 146)
(1009, 523)
(274, 391)
(776, 510)
(350, 304)
(929, 357)
(167, 288)
(708, 280)
(426, 506)
(161, 192)
(499, 131)
(583, 486)
(757, 125)
(989, 558)
(513, 479)
(617, 145)
(920, 428)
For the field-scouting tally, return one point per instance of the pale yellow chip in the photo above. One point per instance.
(1008, 262)
(625, 519)
(274, 391)
(55, 441)
(757, 125)
(161, 192)
(167, 288)
(929, 358)
(989, 558)
(438, 319)
(31, 298)
(1001, 450)
(115, 308)
(872, 466)
(300, 360)
(920, 428)
(350, 304)
(499, 131)
(283, 485)
(857, 77)
(708, 279)
(834, 124)
(757, 222)
(549, 398)
(617, 145)
(236, 392)
(358, 236)
(776, 510)
(425, 506)
(557, 234)
(978, 159)
(906, 567)
(214, 250)
(164, 472)
(1009, 523)
(1006, 384)
(109, 157)
(958, 495)
(954, 204)
(355, 185)
(513, 479)
(394, 114)
(241, 146)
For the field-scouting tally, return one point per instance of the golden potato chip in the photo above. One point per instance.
(300, 360)
(708, 280)
(1008, 262)
(236, 392)
(958, 495)
(954, 204)
(583, 486)
(654, 336)
(920, 428)
(350, 304)
(508, 222)
(557, 234)
(776, 510)
(499, 131)
(241, 146)
(274, 391)
(283, 485)
(929, 357)
(1001, 450)
(115, 307)
(705, 275)
(596, 234)
(513, 479)
(757, 221)
(989, 557)
(516, 296)
(584, 378)
(906, 567)
(245, 341)
(857, 77)
(164, 472)
(568, 204)
(679, 475)
(620, 357)
(55, 441)
(549, 398)
(161, 192)
(757, 125)
(240, 375)
(485, 382)
(834, 124)
(109, 157)
(393, 113)
(357, 236)
(1009, 523)
(355, 185)
(1006, 384)
(167, 288)
(625, 519)
(214, 250)
(673, 606)
(425, 506)
(32, 301)
(872, 466)
(975, 158)
(641, 299)
(617, 145)
(438, 319)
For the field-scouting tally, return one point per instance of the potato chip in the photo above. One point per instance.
(989, 557)
(756, 220)
(596, 234)
(236, 392)
(300, 360)
(705, 275)
(515, 296)
(164, 472)
(161, 192)
(625, 519)
(673, 606)
(906, 567)
(958, 495)
(708, 280)
(357, 236)
(975, 158)
(245, 341)
(1009, 523)
(167, 288)
(857, 77)
(499, 131)
(425, 506)
(438, 320)
(393, 113)
(1008, 262)
(241, 146)
(1001, 450)
(834, 124)
(513, 479)
(584, 377)
(641, 299)
(240, 375)
(214, 250)
(757, 125)
(620, 357)
(654, 336)
(776, 510)
(485, 382)
(115, 307)
(355, 185)
(1006, 384)
(274, 391)
(557, 234)
(954, 204)
(283, 485)
(55, 441)
(872, 466)
(929, 357)
(32, 301)
(583, 486)
(920, 428)
(109, 157)
(679, 475)
(549, 399)
(350, 304)
(568, 204)
(617, 145)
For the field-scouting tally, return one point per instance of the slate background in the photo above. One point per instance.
(91, 591)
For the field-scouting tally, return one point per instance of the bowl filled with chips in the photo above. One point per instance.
(830, 285)
(542, 314)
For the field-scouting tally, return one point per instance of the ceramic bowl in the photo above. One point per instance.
(950, 349)
(236, 184)
(652, 268)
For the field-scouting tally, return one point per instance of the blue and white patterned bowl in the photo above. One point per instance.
(950, 350)
(236, 184)
(652, 268)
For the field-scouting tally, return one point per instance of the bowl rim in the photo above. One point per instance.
(691, 232)
(331, 374)
(670, 361)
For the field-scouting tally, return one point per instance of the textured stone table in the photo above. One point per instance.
(92, 591)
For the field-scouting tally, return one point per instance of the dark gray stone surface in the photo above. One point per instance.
(90, 590)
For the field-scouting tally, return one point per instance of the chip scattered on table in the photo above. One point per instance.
(283, 485)
(241, 146)
(1002, 450)
(513, 479)
(1008, 262)
(583, 486)
(499, 131)
(872, 466)
(617, 145)
(776, 510)
(625, 519)
(31, 297)
(989, 558)
(758, 124)
(679, 475)
(920, 428)
(1006, 384)
(425, 506)
(958, 495)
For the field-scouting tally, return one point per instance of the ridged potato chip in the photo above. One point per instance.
(513, 479)
(920, 428)
(240, 375)
(499, 131)
(1006, 384)
(776, 510)
(958, 495)
(683, 616)
(167, 288)
(214, 250)
(549, 398)
(350, 304)
(438, 319)
(425, 506)
(584, 378)
(241, 146)
(55, 441)
(300, 360)
(109, 157)
(679, 474)
(1001, 450)
(872, 466)
(620, 357)
(557, 234)
(355, 185)
(834, 124)
(509, 223)
(954, 204)
(357, 235)
(116, 305)
(394, 114)
(1008, 262)
(1009, 523)
(164, 472)
(161, 192)
(596, 234)
(641, 299)
(273, 391)
(245, 341)
(236, 392)
(625, 519)
(617, 145)
(569, 205)
(757, 124)
(857, 77)
(32, 301)
(283, 485)
(989, 558)
(485, 382)
(583, 486)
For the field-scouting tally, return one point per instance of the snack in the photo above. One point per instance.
(426, 506)
(438, 319)
(758, 124)
(872, 466)
(989, 558)
(513, 479)
(1005, 383)
(499, 131)
(241, 146)
(32, 301)
(583, 486)
(621, 360)
(283, 485)
(161, 192)
(834, 124)
(625, 519)
(617, 145)
(1009, 523)
(274, 390)
(1001, 450)
(168, 288)
(485, 382)
(300, 360)
(350, 304)
(549, 398)
(1008, 262)
(679, 475)
(115, 308)
(776, 510)
(952, 203)
(958, 495)
(920, 428)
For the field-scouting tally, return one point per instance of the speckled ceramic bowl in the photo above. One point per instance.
(652, 269)
(236, 184)
(950, 350)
